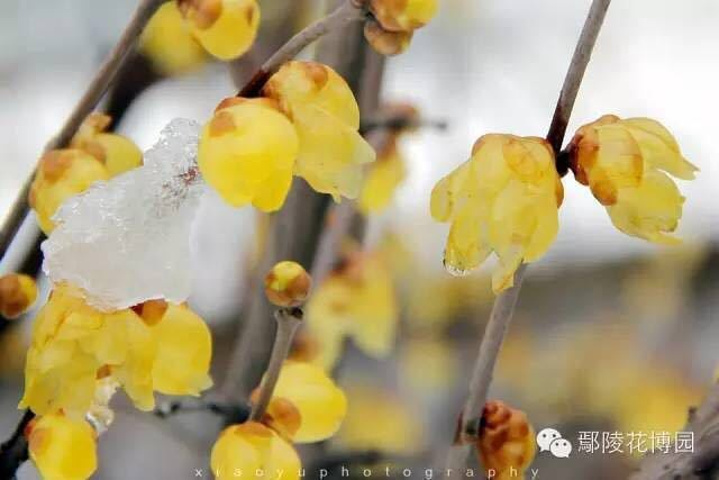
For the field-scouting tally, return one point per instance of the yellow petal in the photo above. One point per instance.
(659, 148)
(168, 42)
(332, 155)
(63, 449)
(651, 211)
(62, 174)
(121, 153)
(321, 404)
(184, 350)
(404, 15)
(382, 180)
(254, 450)
(301, 84)
(226, 28)
(247, 152)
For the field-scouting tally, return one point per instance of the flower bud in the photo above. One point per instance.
(247, 152)
(251, 447)
(384, 41)
(60, 175)
(62, 448)
(506, 440)
(627, 164)
(169, 44)
(505, 199)
(287, 284)
(403, 15)
(226, 28)
(117, 153)
(17, 294)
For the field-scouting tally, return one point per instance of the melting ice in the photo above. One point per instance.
(128, 240)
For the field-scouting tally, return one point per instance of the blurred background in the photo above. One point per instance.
(611, 333)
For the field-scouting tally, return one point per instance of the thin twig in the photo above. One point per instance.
(231, 413)
(504, 304)
(95, 90)
(288, 319)
(343, 15)
(14, 451)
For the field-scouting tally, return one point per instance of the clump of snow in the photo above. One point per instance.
(128, 240)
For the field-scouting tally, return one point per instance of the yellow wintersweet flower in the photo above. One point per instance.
(117, 153)
(252, 449)
(60, 175)
(62, 448)
(378, 420)
(76, 349)
(17, 294)
(357, 300)
(168, 42)
(506, 440)
(382, 180)
(627, 163)
(226, 28)
(504, 199)
(325, 113)
(247, 153)
(321, 405)
(394, 22)
(184, 351)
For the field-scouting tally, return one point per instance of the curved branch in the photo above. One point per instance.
(504, 304)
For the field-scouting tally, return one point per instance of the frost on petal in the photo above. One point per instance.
(127, 240)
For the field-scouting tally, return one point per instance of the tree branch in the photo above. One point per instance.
(504, 304)
(93, 94)
(700, 463)
(343, 15)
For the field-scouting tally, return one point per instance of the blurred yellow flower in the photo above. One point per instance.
(74, 347)
(168, 42)
(247, 152)
(378, 420)
(62, 448)
(382, 180)
(504, 199)
(627, 163)
(394, 22)
(226, 28)
(506, 440)
(320, 403)
(428, 364)
(252, 449)
(17, 294)
(62, 174)
(324, 111)
(119, 154)
(356, 300)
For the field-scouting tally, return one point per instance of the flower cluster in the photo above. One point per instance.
(306, 407)
(506, 440)
(393, 23)
(76, 348)
(357, 300)
(17, 294)
(627, 163)
(505, 199)
(93, 155)
(306, 125)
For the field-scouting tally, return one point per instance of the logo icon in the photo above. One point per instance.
(550, 440)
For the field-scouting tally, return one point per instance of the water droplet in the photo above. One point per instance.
(454, 271)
